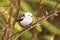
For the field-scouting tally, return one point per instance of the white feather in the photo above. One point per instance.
(27, 19)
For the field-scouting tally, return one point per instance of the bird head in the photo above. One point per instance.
(28, 14)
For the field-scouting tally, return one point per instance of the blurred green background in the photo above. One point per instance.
(48, 30)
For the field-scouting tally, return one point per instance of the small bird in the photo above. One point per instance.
(26, 19)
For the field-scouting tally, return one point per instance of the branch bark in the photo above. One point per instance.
(34, 25)
(17, 12)
(6, 31)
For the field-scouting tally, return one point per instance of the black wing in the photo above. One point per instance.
(18, 20)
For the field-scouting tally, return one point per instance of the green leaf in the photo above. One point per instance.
(38, 28)
(50, 27)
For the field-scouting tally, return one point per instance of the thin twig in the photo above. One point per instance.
(38, 12)
(39, 8)
(1, 14)
(17, 12)
(54, 8)
(32, 26)
(2, 21)
(6, 35)
(47, 16)
(52, 11)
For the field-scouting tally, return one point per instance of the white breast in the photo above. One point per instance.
(26, 21)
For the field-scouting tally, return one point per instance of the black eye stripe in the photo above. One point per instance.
(29, 15)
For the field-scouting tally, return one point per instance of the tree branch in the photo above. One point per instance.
(6, 31)
(32, 26)
(17, 12)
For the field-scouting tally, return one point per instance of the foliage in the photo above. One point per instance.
(43, 24)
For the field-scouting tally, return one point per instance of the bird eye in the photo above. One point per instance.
(28, 15)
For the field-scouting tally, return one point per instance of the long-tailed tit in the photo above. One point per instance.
(26, 19)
